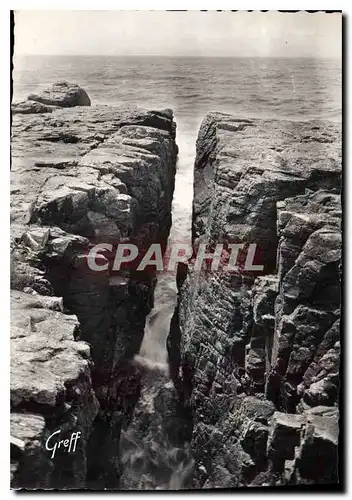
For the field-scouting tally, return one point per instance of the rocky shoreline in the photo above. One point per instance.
(254, 357)
(80, 175)
(259, 355)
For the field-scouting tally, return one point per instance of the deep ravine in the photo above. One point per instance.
(154, 448)
(249, 363)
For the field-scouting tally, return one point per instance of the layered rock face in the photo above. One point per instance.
(256, 354)
(80, 176)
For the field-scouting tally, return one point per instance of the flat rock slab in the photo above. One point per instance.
(44, 354)
(64, 161)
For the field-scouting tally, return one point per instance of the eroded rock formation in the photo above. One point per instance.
(64, 94)
(80, 176)
(60, 95)
(256, 355)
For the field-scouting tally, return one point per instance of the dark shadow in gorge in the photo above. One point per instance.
(155, 447)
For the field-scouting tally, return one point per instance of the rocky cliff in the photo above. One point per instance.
(256, 354)
(80, 176)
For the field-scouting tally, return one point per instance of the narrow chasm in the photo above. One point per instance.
(176, 379)
(140, 438)
(155, 445)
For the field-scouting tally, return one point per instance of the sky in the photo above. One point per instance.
(191, 33)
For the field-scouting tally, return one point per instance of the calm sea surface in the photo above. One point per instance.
(298, 88)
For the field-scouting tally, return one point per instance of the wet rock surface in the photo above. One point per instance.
(80, 176)
(265, 340)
